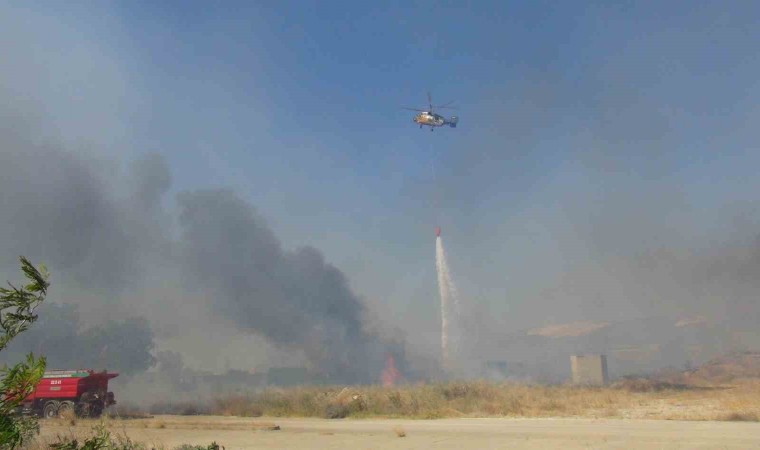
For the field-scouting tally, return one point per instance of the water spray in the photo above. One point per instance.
(449, 299)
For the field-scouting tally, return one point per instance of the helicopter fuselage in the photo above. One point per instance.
(433, 120)
(426, 117)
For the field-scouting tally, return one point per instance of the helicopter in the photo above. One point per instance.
(427, 117)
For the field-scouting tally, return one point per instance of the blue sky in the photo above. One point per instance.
(588, 130)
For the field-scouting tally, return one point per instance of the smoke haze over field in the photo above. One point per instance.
(123, 346)
(218, 191)
(108, 238)
(111, 246)
(293, 298)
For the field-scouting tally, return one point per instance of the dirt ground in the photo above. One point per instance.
(263, 433)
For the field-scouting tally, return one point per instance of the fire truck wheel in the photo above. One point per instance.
(51, 410)
(66, 409)
(96, 411)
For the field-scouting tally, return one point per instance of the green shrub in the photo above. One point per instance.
(17, 307)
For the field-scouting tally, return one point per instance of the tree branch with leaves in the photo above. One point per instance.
(17, 313)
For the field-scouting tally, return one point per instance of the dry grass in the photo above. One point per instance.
(74, 434)
(127, 411)
(743, 417)
(427, 401)
(626, 399)
(723, 369)
(114, 434)
(68, 417)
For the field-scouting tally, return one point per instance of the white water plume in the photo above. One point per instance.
(449, 303)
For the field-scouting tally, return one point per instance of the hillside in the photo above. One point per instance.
(722, 369)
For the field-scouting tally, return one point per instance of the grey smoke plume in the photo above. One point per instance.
(584, 194)
(106, 242)
(107, 238)
(56, 208)
(295, 298)
(122, 346)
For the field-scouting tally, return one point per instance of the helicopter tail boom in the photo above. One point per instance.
(453, 121)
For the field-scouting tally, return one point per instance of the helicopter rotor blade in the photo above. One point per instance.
(414, 109)
(445, 105)
(430, 101)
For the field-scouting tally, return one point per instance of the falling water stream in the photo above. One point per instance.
(449, 304)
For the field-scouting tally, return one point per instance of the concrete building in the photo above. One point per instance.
(589, 369)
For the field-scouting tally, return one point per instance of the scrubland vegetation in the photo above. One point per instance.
(630, 398)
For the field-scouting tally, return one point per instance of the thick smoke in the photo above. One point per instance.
(108, 241)
(578, 207)
(151, 181)
(57, 208)
(123, 346)
(294, 298)
(110, 249)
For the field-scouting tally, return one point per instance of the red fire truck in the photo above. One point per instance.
(82, 392)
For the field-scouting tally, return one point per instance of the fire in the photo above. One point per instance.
(390, 374)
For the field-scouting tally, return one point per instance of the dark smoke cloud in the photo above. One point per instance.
(151, 180)
(107, 240)
(293, 298)
(98, 244)
(56, 207)
(123, 346)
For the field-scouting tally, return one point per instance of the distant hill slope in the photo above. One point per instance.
(723, 369)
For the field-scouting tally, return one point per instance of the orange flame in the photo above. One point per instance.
(390, 374)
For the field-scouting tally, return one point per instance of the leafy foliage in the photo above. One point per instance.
(17, 313)
(17, 305)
